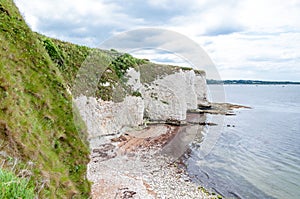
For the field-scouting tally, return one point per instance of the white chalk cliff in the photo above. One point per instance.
(166, 97)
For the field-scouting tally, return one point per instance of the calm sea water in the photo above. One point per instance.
(258, 155)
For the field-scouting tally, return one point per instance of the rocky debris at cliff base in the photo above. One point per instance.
(207, 107)
(168, 122)
(130, 166)
(218, 108)
(151, 138)
(208, 124)
(137, 178)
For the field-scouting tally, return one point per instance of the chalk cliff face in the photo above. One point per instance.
(171, 96)
(106, 117)
(168, 97)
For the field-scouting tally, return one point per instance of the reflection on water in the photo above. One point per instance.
(260, 156)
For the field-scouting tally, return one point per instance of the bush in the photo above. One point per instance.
(54, 53)
(136, 94)
(123, 62)
(12, 186)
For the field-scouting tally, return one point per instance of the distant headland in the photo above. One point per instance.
(255, 82)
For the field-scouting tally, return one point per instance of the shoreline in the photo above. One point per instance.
(145, 163)
(126, 166)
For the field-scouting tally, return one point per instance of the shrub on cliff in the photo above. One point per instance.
(123, 62)
(54, 53)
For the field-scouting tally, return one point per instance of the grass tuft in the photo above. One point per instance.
(12, 186)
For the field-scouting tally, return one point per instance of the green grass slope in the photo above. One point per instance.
(36, 120)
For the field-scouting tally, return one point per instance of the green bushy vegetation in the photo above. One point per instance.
(110, 85)
(115, 75)
(67, 56)
(54, 53)
(123, 62)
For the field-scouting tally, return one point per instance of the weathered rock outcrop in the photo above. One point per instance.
(166, 97)
(171, 96)
(106, 117)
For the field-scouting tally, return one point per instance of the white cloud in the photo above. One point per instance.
(75, 19)
(246, 39)
(170, 4)
(70, 10)
(263, 56)
(269, 15)
(161, 56)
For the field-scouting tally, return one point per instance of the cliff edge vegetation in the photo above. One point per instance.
(38, 137)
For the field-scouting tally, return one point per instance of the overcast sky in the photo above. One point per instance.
(246, 39)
